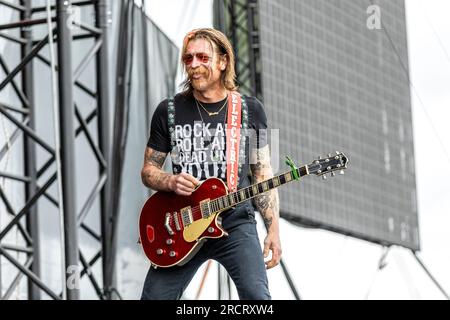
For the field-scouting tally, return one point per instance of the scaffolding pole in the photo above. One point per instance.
(103, 121)
(30, 154)
(67, 151)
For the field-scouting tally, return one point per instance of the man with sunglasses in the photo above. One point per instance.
(192, 128)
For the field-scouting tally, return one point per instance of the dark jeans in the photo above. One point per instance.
(240, 253)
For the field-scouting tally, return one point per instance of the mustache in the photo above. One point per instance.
(198, 71)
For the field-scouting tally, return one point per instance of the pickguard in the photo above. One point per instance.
(193, 231)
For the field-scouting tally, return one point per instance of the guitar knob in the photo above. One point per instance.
(324, 177)
(172, 254)
(169, 241)
(211, 230)
(341, 172)
(159, 252)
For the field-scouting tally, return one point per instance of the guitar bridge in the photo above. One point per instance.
(186, 216)
(177, 222)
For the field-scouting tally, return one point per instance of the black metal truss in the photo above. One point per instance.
(238, 19)
(22, 117)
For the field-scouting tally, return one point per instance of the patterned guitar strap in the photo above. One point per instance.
(175, 151)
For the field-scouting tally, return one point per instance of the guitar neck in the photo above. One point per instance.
(241, 195)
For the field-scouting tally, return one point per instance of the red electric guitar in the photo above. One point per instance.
(172, 228)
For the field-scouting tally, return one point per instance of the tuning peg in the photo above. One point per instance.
(329, 155)
(333, 174)
(337, 152)
(324, 177)
(341, 172)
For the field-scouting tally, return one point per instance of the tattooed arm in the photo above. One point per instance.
(267, 204)
(155, 178)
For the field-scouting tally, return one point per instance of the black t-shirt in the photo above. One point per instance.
(200, 148)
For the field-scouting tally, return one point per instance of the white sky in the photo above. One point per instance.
(326, 265)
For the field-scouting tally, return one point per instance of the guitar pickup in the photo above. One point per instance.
(167, 224)
(205, 208)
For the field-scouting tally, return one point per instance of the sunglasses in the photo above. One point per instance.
(188, 58)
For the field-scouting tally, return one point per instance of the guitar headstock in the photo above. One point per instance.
(330, 164)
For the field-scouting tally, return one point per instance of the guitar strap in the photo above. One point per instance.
(233, 138)
(240, 116)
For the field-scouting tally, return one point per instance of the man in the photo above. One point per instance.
(196, 140)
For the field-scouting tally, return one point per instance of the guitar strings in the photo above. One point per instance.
(195, 213)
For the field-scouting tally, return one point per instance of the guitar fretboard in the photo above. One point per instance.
(241, 195)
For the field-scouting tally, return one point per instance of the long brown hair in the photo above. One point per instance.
(223, 45)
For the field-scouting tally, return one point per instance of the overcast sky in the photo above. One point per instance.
(429, 52)
(325, 265)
